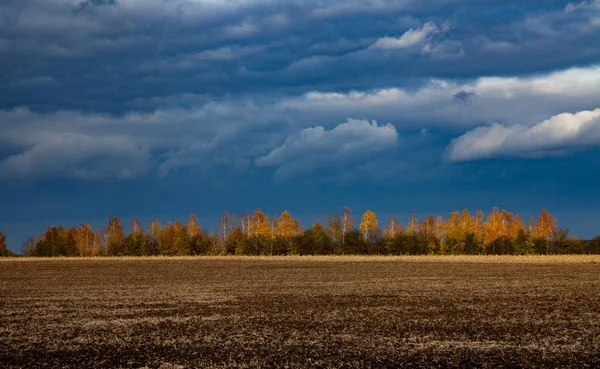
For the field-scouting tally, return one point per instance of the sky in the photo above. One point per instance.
(162, 108)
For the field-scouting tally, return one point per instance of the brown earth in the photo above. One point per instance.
(300, 312)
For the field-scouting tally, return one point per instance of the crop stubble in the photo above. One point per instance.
(300, 312)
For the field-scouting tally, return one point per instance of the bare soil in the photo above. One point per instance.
(300, 312)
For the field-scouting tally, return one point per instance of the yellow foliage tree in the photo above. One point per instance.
(193, 227)
(412, 225)
(545, 226)
(136, 226)
(427, 227)
(453, 227)
(439, 227)
(494, 226)
(368, 225)
(466, 222)
(259, 224)
(287, 227)
(515, 226)
(478, 225)
(507, 219)
(84, 239)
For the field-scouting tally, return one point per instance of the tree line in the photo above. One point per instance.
(500, 232)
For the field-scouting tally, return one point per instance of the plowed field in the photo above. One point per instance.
(300, 312)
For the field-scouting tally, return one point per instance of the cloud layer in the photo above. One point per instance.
(80, 157)
(233, 132)
(560, 132)
(117, 56)
(315, 148)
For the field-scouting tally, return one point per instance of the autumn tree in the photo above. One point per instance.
(84, 239)
(368, 225)
(493, 226)
(516, 225)
(258, 231)
(98, 244)
(478, 228)
(238, 242)
(506, 222)
(545, 226)
(466, 222)
(114, 236)
(259, 224)
(193, 228)
(287, 229)
(439, 227)
(427, 231)
(136, 226)
(502, 230)
(412, 225)
(452, 227)
(199, 243)
(174, 240)
(454, 234)
(57, 241)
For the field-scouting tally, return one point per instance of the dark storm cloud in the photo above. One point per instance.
(233, 132)
(131, 54)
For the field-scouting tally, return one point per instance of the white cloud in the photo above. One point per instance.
(425, 40)
(412, 37)
(509, 100)
(591, 14)
(316, 148)
(196, 60)
(79, 156)
(93, 146)
(563, 131)
(584, 5)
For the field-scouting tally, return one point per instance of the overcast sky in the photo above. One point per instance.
(161, 108)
